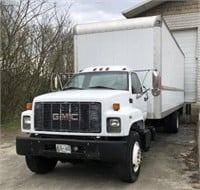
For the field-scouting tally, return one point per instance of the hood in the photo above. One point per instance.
(80, 95)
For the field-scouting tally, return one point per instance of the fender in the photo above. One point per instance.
(146, 134)
(137, 122)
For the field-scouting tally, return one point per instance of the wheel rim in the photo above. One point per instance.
(136, 157)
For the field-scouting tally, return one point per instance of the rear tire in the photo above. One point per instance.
(175, 121)
(40, 164)
(172, 122)
(130, 167)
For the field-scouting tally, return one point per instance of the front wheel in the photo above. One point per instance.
(40, 164)
(130, 167)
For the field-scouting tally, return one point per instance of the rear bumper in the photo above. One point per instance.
(106, 150)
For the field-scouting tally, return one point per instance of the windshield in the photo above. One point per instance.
(115, 80)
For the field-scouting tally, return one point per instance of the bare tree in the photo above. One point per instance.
(36, 40)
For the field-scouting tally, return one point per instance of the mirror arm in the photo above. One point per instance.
(146, 90)
(141, 94)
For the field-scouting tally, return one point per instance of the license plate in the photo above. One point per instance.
(63, 148)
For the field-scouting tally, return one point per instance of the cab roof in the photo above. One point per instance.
(106, 68)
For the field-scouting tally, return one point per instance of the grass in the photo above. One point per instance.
(11, 125)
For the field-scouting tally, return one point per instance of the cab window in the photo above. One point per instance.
(136, 85)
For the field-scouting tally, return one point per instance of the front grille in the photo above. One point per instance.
(83, 117)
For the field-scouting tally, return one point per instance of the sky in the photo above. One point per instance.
(87, 11)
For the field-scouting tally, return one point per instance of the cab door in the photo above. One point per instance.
(140, 98)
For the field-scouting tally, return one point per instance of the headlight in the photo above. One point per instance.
(26, 122)
(113, 125)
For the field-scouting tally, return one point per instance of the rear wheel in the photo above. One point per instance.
(175, 121)
(130, 167)
(172, 122)
(40, 164)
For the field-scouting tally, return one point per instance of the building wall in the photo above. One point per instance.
(174, 7)
(188, 21)
(181, 15)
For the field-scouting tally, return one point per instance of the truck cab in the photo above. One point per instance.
(113, 78)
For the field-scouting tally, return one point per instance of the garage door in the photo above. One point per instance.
(187, 39)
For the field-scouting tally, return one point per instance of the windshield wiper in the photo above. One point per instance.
(105, 87)
(71, 88)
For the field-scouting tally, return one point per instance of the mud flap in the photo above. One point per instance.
(146, 137)
(153, 132)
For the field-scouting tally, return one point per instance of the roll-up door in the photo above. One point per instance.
(187, 39)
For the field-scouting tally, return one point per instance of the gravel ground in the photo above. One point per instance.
(169, 164)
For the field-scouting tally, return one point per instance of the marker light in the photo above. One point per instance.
(116, 106)
(28, 106)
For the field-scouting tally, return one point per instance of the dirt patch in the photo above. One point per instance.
(168, 170)
(191, 161)
(8, 135)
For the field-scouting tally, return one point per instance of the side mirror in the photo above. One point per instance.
(156, 80)
(56, 83)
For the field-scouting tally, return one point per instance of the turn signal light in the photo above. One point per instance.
(28, 106)
(116, 106)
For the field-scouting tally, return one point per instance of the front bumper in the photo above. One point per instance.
(95, 149)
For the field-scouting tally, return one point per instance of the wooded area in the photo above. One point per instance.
(36, 41)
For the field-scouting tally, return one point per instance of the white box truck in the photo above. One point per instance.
(129, 75)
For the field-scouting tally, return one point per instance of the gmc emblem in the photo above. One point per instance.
(65, 117)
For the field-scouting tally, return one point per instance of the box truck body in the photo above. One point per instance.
(141, 44)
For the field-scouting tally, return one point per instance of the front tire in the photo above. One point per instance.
(40, 164)
(130, 167)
